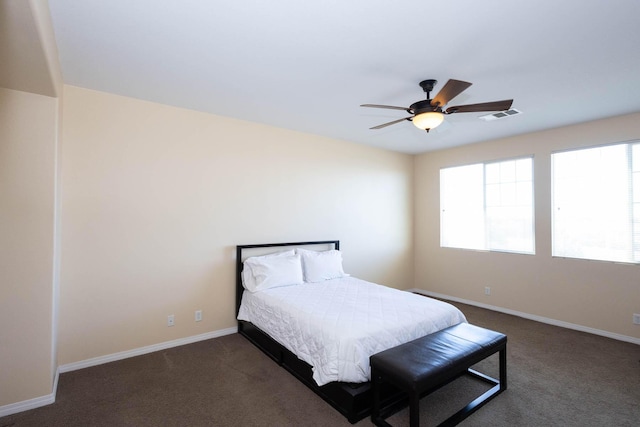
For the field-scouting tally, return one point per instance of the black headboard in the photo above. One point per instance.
(240, 249)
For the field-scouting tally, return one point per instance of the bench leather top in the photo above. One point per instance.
(436, 357)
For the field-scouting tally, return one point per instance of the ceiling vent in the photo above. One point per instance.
(500, 115)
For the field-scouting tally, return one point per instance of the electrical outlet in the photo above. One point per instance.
(198, 315)
(636, 319)
(171, 320)
(487, 290)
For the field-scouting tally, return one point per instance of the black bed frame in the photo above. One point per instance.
(354, 401)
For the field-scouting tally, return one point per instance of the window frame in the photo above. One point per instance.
(632, 203)
(485, 216)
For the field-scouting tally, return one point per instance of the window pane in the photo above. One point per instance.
(508, 194)
(511, 229)
(508, 171)
(461, 203)
(523, 170)
(492, 173)
(510, 217)
(524, 193)
(493, 195)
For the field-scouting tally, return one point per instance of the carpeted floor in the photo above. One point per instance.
(556, 377)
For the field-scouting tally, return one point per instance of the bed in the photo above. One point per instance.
(296, 304)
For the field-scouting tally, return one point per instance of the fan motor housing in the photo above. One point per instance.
(423, 107)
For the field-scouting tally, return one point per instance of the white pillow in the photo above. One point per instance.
(248, 280)
(320, 266)
(272, 271)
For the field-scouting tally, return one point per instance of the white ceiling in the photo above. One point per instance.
(308, 66)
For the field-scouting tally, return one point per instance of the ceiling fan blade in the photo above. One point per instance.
(384, 125)
(484, 106)
(390, 107)
(449, 91)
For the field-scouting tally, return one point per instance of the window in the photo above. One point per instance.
(596, 203)
(488, 206)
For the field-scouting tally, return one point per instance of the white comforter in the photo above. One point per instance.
(337, 324)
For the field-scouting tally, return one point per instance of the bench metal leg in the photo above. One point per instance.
(499, 386)
(503, 368)
(414, 410)
(376, 410)
(377, 415)
(375, 407)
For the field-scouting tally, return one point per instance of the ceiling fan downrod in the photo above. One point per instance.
(427, 86)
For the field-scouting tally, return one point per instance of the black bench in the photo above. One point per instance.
(427, 363)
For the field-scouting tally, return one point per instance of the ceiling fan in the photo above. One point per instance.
(429, 113)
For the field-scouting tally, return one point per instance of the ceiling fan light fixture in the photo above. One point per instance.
(428, 120)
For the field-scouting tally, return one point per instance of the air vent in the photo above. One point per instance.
(500, 115)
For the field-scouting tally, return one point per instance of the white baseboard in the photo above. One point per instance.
(541, 319)
(37, 402)
(144, 350)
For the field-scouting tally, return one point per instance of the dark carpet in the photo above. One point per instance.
(556, 377)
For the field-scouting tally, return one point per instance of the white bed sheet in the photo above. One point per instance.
(337, 324)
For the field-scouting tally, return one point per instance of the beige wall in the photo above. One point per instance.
(28, 126)
(155, 198)
(592, 294)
